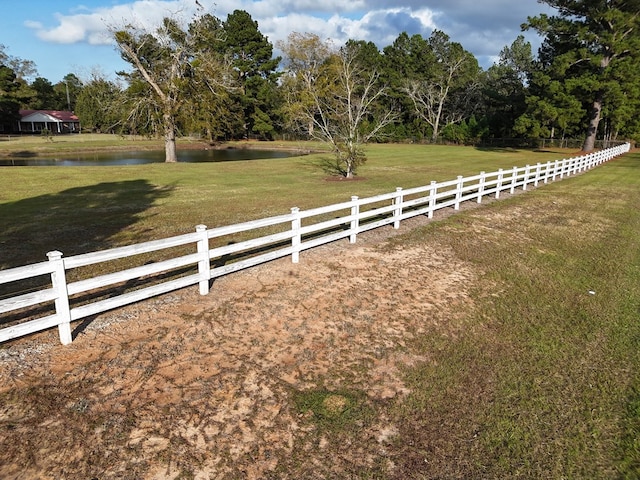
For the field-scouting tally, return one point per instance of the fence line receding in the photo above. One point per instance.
(287, 235)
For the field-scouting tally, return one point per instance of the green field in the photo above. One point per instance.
(82, 209)
(542, 380)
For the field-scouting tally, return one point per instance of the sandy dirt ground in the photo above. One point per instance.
(203, 387)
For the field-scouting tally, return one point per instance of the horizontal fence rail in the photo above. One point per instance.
(286, 235)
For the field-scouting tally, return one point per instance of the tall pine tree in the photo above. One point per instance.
(587, 44)
(252, 59)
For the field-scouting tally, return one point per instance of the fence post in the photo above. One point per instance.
(59, 284)
(296, 238)
(458, 193)
(536, 181)
(527, 170)
(514, 180)
(499, 182)
(546, 172)
(433, 191)
(397, 213)
(204, 269)
(355, 221)
(483, 179)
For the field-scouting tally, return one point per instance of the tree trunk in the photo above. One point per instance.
(169, 139)
(436, 124)
(596, 111)
(592, 130)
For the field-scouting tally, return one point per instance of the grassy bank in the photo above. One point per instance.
(543, 381)
(35, 145)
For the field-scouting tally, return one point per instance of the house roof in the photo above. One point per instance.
(59, 115)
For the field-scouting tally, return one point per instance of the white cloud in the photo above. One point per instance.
(33, 25)
(482, 26)
(93, 27)
(69, 30)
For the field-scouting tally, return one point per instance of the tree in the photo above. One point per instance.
(15, 94)
(170, 61)
(252, 59)
(67, 92)
(23, 69)
(45, 96)
(304, 57)
(441, 94)
(505, 87)
(99, 105)
(407, 58)
(550, 109)
(585, 44)
(339, 100)
(211, 111)
(9, 101)
(620, 114)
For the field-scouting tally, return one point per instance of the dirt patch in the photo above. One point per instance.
(189, 386)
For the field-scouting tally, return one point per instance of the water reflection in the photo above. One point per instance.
(143, 157)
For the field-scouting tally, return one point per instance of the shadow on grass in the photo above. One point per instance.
(498, 149)
(74, 221)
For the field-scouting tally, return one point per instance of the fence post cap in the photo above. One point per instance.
(201, 228)
(54, 255)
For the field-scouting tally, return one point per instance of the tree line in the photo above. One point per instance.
(219, 80)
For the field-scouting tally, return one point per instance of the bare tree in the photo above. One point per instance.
(304, 56)
(339, 100)
(431, 95)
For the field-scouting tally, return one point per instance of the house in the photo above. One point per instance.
(56, 121)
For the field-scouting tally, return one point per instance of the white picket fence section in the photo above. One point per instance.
(298, 234)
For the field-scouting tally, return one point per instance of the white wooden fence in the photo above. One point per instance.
(295, 234)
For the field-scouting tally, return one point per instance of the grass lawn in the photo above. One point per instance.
(542, 380)
(82, 209)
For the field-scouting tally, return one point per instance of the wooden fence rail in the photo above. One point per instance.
(294, 233)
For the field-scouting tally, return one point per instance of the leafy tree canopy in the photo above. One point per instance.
(586, 44)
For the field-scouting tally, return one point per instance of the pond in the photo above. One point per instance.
(143, 157)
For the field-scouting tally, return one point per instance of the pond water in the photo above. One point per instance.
(142, 157)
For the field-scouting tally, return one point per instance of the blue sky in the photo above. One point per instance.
(72, 36)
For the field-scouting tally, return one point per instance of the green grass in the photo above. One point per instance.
(82, 209)
(545, 382)
(334, 412)
(34, 145)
